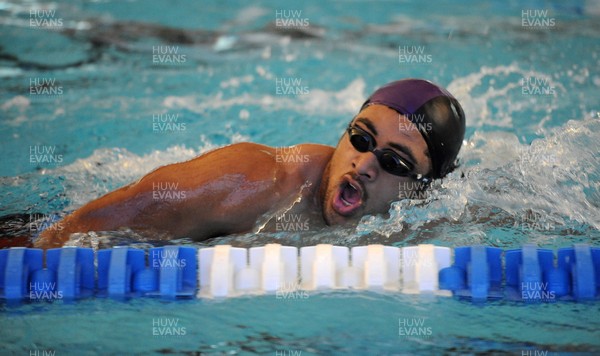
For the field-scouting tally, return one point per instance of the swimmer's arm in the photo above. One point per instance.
(221, 192)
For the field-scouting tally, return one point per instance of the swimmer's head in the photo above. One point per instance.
(436, 114)
(407, 133)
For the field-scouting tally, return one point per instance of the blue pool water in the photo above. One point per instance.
(530, 159)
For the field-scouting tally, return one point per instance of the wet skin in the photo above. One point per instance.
(229, 190)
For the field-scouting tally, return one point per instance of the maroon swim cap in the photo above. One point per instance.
(443, 134)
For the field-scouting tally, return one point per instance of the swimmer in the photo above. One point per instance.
(408, 133)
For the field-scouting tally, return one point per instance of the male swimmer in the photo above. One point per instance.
(406, 134)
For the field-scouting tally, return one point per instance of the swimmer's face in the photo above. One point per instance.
(354, 183)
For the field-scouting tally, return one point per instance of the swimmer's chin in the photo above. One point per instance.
(333, 219)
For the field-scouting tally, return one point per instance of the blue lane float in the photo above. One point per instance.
(74, 270)
(583, 263)
(16, 266)
(122, 272)
(476, 273)
(530, 274)
(117, 269)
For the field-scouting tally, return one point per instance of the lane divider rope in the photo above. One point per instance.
(529, 274)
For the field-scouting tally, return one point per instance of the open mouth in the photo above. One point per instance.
(348, 197)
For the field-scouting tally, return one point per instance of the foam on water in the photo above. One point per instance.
(542, 190)
(344, 101)
(492, 86)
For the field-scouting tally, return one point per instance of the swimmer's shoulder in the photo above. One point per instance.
(318, 154)
(307, 160)
(302, 153)
(311, 160)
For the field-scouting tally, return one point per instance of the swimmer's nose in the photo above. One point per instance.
(366, 166)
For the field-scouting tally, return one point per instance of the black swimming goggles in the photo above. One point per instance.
(389, 160)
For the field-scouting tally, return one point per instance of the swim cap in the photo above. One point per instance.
(434, 111)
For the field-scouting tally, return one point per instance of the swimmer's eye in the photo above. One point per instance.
(389, 160)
